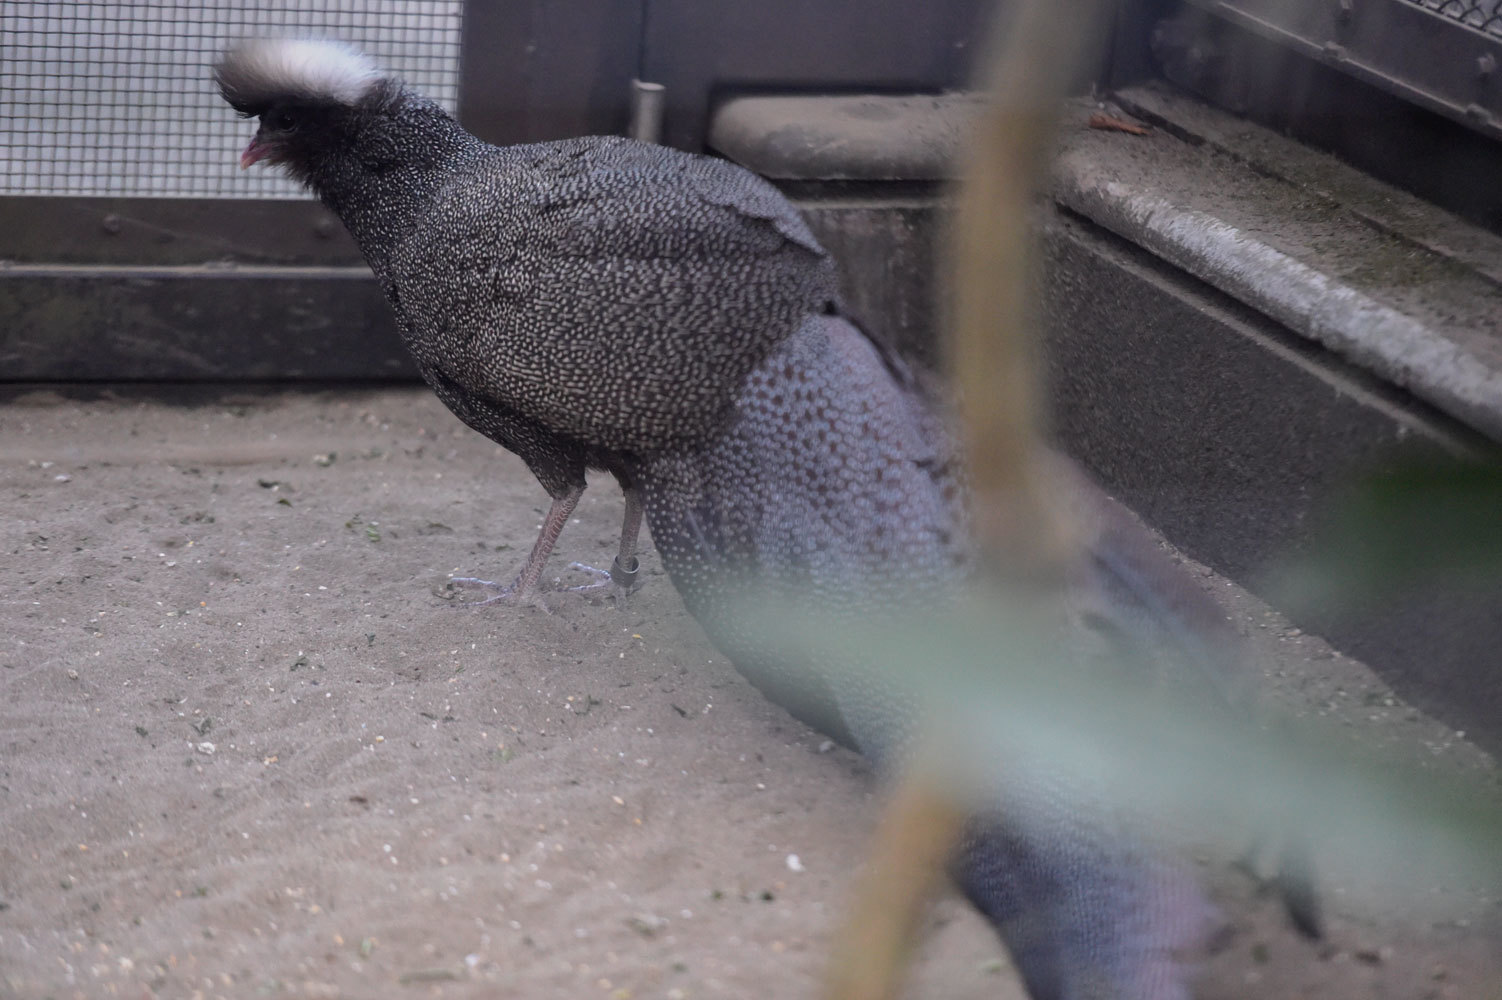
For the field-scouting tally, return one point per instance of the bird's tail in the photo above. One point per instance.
(1085, 914)
(1157, 616)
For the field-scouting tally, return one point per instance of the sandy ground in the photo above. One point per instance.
(251, 747)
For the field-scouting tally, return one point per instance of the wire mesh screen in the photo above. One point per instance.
(116, 98)
(1485, 15)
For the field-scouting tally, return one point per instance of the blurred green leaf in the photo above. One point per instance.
(1418, 521)
(1012, 715)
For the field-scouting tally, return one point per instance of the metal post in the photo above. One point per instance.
(647, 103)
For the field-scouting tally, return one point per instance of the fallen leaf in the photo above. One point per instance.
(1110, 124)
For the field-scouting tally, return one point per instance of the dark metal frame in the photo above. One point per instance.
(114, 289)
(1338, 85)
(1422, 56)
(531, 70)
(521, 79)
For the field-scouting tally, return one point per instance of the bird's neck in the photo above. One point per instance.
(381, 187)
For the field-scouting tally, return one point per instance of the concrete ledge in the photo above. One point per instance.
(866, 137)
(1394, 286)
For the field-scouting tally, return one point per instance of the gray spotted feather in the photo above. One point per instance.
(616, 293)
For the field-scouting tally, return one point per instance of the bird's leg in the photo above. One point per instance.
(625, 567)
(623, 571)
(531, 571)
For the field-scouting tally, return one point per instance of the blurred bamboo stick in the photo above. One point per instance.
(1020, 535)
(1035, 54)
(920, 826)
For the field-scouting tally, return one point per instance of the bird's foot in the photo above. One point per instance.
(618, 579)
(602, 578)
(500, 593)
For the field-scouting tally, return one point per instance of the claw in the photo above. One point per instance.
(603, 578)
(500, 593)
(618, 581)
(475, 583)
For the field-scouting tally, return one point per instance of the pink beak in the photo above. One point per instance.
(255, 152)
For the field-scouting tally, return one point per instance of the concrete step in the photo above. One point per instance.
(1380, 278)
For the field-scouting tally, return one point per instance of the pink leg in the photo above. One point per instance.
(531, 572)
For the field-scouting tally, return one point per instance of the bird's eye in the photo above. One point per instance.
(280, 120)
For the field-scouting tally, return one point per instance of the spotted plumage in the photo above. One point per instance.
(834, 486)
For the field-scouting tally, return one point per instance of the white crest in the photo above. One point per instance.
(259, 71)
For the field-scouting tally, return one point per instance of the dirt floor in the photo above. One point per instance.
(251, 747)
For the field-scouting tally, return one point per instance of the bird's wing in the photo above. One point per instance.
(659, 200)
(615, 292)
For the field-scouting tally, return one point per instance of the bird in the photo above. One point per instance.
(598, 303)
(579, 302)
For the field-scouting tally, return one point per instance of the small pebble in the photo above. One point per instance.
(646, 924)
(1372, 956)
